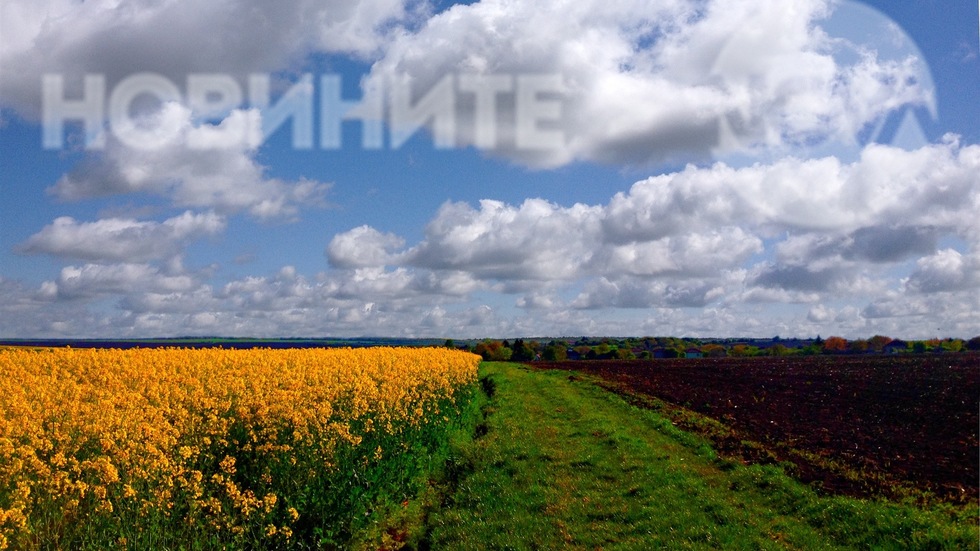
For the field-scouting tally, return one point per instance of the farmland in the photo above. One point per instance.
(384, 448)
(860, 425)
(562, 463)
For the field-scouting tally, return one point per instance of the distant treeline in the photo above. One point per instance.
(587, 348)
(583, 348)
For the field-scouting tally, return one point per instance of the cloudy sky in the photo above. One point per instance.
(503, 168)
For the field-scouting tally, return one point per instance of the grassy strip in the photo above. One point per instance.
(389, 509)
(562, 464)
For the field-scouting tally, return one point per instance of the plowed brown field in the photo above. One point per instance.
(858, 425)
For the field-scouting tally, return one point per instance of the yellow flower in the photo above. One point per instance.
(228, 465)
(268, 502)
(78, 423)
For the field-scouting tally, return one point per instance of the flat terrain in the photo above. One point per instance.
(560, 463)
(859, 425)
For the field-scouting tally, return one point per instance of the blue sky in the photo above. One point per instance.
(746, 168)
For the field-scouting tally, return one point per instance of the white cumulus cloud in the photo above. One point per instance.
(175, 38)
(644, 82)
(363, 247)
(121, 239)
(225, 177)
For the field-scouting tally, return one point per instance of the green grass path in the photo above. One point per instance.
(562, 464)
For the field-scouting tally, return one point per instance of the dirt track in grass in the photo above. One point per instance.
(857, 425)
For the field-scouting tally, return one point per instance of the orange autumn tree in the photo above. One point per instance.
(834, 345)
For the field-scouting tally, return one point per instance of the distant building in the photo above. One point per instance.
(692, 353)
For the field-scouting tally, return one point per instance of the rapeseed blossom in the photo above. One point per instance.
(236, 443)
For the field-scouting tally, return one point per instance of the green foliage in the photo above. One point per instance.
(859, 346)
(812, 350)
(778, 350)
(743, 350)
(583, 351)
(522, 352)
(953, 345)
(671, 347)
(554, 353)
(493, 351)
(625, 354)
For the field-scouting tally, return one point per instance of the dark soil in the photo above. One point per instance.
(858, 425)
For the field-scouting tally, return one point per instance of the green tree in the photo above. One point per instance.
(522, 352)
(778, 350)
(503, 354)
(953, 345)
(554, 353)
(625, 354)
(859, 346)
(493, 351)
(812, 350)
(973, 344)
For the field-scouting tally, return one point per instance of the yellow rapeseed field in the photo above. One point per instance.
(134, 446)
